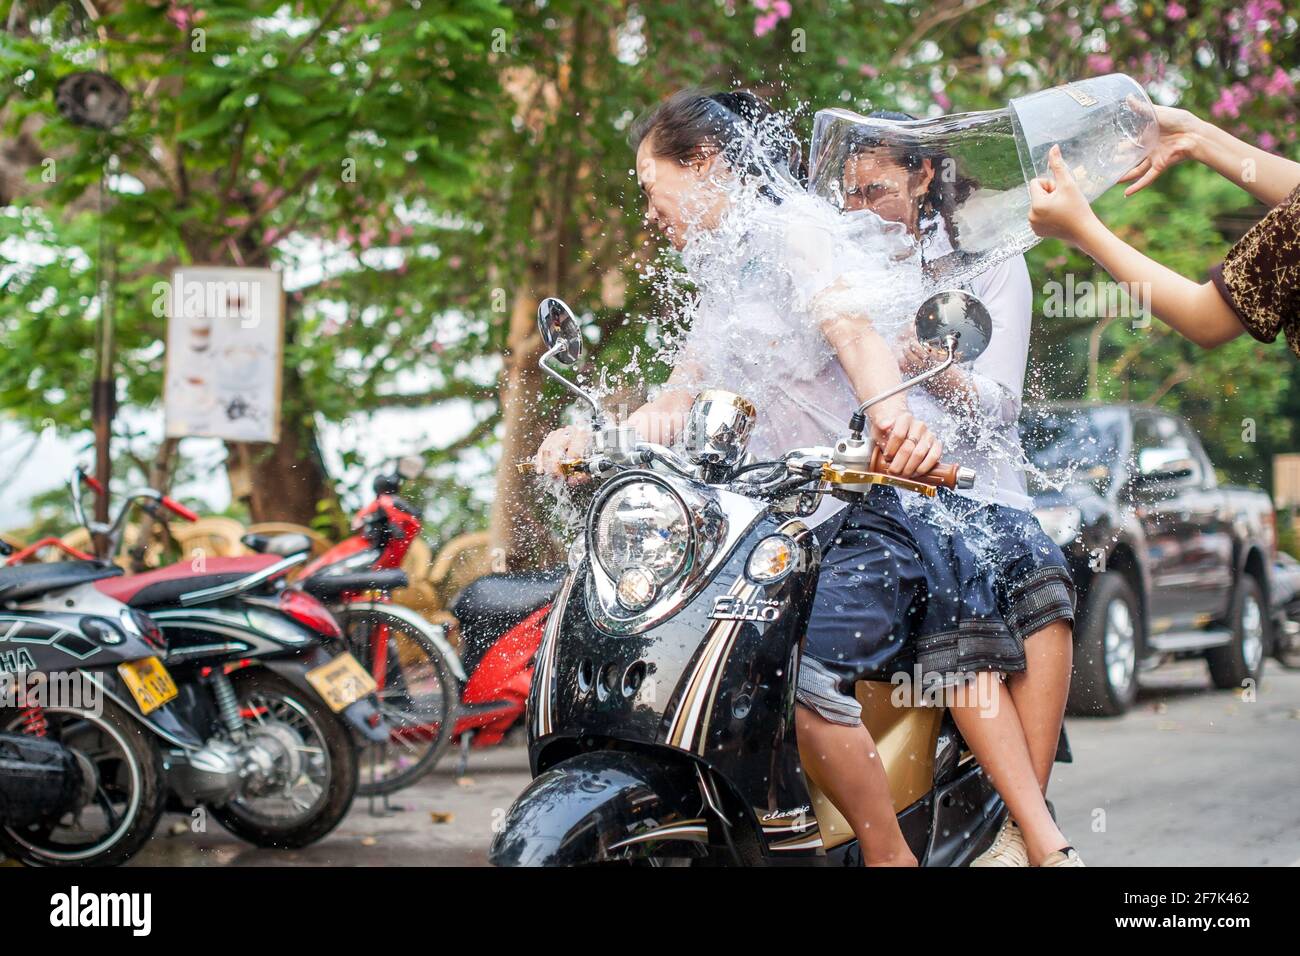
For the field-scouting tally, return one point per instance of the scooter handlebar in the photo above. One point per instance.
(943, 475)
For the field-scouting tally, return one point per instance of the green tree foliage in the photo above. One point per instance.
(491, 168)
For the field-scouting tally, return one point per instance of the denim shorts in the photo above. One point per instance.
(897, 593)
(1032, 582)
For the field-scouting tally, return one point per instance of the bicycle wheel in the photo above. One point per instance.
(418, 695)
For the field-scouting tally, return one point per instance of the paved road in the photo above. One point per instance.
(1191, 777)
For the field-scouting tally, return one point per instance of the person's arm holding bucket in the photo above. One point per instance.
(1255, 290)
(1184, 135)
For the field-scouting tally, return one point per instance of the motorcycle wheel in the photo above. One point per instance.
(418, 698)
(321, 782)
(128, 791)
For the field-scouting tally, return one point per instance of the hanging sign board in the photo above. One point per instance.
(225, 349)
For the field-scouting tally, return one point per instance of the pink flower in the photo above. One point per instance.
(1099, 63)
(942, 99)
(1111, 11)
(869, 71)
(1230, 102)
(782, 8)
(1279, 84)
(765, 24)
(1266, 141)
(1175, 12)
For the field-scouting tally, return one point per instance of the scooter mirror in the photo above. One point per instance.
(410, 466)
(559, 327)
(958, 314)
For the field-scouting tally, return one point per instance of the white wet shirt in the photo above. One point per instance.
(755, 330)
(990, 441)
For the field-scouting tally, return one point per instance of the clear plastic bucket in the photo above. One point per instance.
(1104, 126)
(960, 182)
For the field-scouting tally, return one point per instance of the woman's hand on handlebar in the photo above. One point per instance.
(563, 444)
(907, 444)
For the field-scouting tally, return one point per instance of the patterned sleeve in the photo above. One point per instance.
(1260, 276)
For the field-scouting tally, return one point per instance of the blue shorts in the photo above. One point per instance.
(896, 592)
(1032, 582)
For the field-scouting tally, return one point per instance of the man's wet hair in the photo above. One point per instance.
(694, 124)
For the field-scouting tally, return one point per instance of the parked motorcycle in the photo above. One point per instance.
(430, 693)
(414, 666)
(88, 721)
(661, 721)
(261, 675)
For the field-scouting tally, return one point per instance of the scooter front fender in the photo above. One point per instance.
(599, 807)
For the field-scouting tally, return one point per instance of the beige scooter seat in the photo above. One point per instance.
(905, 738)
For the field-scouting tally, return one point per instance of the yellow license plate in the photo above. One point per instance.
(342, 682)
(148, 682)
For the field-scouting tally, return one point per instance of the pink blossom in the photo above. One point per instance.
(181, 17)
(942, 99)
(765, 24)
(1112, 11)
(1266, 141)
(1100, 63)
(1175, 12)
(1279, 84)
(869, 71)
(1230, 102)
(782, 8)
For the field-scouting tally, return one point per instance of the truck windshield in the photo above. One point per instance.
(1059, 439)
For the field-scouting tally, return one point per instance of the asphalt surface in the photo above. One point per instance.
(1190, 777)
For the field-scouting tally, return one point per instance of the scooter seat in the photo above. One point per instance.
(327, 587)
(511, 595)
(24, 581)
(166, 585)
(494, 603)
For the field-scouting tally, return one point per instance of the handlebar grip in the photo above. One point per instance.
(569, 466)
(943, 475)
(177, 508)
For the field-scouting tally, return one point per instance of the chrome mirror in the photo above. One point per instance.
(959, 316)
(559, 328)
(718, 429)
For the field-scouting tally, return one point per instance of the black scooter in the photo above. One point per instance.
(87, 714)
(661, 720)
(264, 678)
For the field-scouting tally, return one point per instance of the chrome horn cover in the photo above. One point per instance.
(717, 429)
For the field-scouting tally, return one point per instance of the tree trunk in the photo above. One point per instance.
(520, 537)
(285, 481)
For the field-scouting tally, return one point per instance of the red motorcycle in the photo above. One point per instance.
(431, 695)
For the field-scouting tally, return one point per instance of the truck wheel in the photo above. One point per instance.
(1105, 649)
(1243, 658)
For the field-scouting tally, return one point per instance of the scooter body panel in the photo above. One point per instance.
(713, 682)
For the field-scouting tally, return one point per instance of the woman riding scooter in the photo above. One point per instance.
(879, 604)
(975, 410)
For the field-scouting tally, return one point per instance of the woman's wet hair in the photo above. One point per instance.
(948, 189)
(692, 125)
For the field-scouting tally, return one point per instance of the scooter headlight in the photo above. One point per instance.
(641, 525)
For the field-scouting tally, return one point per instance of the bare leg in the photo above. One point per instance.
(989, 723)
(847, 768)
(1039, 693)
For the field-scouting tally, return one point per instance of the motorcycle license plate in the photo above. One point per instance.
(342, 682)
(148, 682)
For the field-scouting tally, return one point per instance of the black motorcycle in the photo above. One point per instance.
(264, 678)
(661, 721)
(87, 718)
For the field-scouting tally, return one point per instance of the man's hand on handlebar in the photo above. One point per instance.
(563, 444)
(907, 444)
